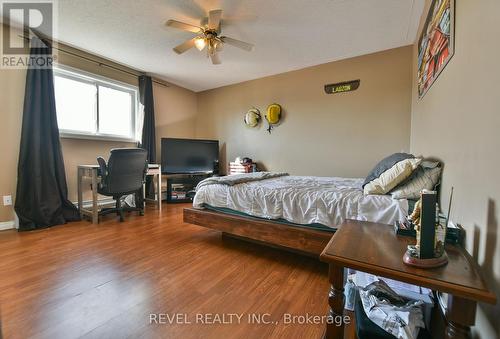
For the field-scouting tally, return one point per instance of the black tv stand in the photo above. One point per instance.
(180, 185)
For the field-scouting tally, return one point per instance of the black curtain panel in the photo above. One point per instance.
(42, 192)
(148, 140)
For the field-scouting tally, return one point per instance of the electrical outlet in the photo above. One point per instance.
(7, 200)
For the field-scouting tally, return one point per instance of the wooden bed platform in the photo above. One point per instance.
(298, 239)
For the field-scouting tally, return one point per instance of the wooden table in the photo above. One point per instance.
(89, 174)
(375, 249)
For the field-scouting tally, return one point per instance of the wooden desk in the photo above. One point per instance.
(89, 173)
(375, 249)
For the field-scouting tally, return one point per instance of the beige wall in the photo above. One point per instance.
(458, 121)
(175, 109)
(11, 107)
(175, 114)
(326, 135)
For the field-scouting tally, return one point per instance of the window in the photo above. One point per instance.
(89, 106)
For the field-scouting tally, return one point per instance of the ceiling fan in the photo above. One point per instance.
(207, 36)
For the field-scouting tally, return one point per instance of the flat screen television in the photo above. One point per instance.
(189, 156)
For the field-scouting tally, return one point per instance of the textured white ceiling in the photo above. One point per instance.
(288, 34)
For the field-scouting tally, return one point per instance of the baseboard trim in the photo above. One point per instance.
(7, 225)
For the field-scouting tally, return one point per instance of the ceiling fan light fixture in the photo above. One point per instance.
(207, 37)
(200, 43)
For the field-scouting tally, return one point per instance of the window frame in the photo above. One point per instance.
(100, 81)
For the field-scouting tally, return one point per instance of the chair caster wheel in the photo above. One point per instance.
(141, 213)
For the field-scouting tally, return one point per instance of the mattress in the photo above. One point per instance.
(303, 200)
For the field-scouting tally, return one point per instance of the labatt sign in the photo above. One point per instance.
(341, 87)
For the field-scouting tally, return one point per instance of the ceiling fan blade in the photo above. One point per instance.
(215, 58)
(214, 19)
(184, 46)
(237, 43)
(183, 26)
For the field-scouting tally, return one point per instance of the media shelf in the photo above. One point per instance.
(185, 163)
(178, 186)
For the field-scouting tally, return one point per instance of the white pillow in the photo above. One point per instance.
(425, 178)
(392, 177)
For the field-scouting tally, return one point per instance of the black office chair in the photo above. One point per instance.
(124, 174)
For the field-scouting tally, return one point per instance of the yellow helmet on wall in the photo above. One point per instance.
(273, 115)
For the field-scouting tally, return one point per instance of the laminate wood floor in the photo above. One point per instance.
(128, 280)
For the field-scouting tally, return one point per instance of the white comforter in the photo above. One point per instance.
(303, 200)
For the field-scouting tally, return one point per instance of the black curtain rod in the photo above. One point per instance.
(102, 64)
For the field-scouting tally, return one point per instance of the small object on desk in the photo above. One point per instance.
(425, 243)
(429, 251)
(454, 233)
(405, 227)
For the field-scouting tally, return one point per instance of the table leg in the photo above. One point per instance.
(158, 189)
(80, 190)
(143, 198)
(95, 210)
(461, 315)
(334, 329)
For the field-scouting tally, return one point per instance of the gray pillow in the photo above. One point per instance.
(386, 164)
